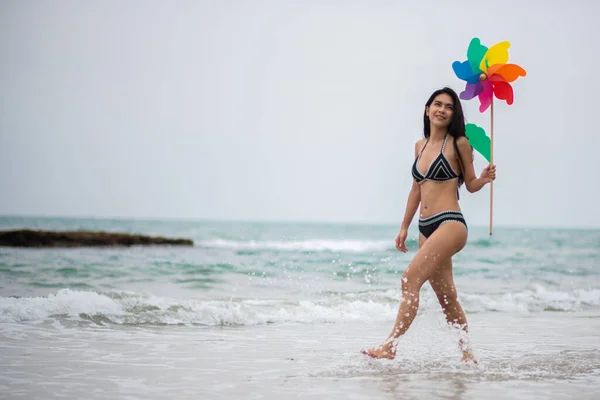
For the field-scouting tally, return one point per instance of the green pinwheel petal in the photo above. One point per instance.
(479, 140)
(475, 54)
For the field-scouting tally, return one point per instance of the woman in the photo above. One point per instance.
(443, 231)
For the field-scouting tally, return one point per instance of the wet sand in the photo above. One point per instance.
(526, 356)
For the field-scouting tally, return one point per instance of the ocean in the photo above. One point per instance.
(267, 310)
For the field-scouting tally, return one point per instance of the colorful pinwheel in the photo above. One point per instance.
(487, 73)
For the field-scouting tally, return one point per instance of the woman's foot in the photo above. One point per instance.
(385, 350)
(468, 356)
(467, 353)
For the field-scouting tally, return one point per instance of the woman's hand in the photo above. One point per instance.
(401, 240)
(489, 173)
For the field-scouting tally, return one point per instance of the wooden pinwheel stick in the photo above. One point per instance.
(491, 161)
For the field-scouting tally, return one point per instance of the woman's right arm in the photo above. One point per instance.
(412, 204)
(414, 196)
(414, 199)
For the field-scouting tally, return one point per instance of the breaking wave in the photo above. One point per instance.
(132, 308)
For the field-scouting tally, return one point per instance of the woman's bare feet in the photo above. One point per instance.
(467, 353)
(468, 356)
(385, 350)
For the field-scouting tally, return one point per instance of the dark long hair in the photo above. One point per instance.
(456, 127)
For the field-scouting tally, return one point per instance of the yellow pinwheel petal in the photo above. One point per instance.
(497, 54)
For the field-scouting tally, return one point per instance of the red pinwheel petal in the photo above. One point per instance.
(496, 78)
(503, 91)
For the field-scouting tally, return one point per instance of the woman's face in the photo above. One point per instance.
(441, 110)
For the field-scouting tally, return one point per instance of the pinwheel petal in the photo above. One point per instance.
(510, 72)
(485, 97)
(479, 140)
(475, 54)
(463, 71)
(497, 54)
(495, 78)
(471, 90)
(503, 90)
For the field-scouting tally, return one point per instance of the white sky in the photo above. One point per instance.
(286, 111)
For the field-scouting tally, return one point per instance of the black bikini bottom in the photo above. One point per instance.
(428, 225)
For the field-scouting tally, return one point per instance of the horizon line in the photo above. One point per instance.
(279, 221)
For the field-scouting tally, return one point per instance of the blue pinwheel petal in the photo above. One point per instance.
(463, 71)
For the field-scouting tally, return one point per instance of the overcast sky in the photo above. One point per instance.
(286, 110)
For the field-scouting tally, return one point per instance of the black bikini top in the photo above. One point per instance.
(440, 169)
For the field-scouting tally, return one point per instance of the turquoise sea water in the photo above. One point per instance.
(267, 268)
(242, 275)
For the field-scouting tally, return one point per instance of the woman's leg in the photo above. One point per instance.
(446, 241)
(442, 283)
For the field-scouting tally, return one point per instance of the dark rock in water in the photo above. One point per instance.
(37, 238)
